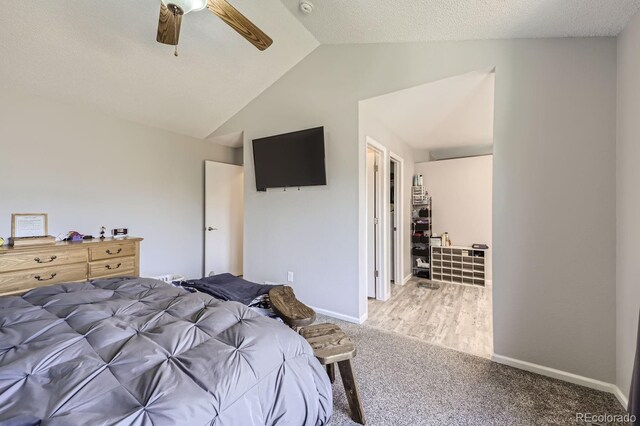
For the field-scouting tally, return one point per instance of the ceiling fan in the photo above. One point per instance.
(171, 12)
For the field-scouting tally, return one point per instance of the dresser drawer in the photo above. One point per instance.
(41, 259)
(112, 267)
(19, 281)
(108, 251)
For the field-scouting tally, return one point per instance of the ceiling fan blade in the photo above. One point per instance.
(169, 24)
(238, 22)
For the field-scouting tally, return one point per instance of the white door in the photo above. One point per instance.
(372, 224)
(224, 218)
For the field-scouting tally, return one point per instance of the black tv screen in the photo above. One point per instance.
(290, 160)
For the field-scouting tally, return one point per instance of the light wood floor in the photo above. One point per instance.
(455, 316)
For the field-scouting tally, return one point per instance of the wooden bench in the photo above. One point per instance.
(331, 345)
(293, 312)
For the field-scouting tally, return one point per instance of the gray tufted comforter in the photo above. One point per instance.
(141, 352)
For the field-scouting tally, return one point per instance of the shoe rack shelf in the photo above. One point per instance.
(460, 265)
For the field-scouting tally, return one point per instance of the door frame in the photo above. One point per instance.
(383, 287)
(399, 207)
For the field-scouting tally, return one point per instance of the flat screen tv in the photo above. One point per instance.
(290, 160)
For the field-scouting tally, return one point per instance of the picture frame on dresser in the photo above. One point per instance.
(25, 225)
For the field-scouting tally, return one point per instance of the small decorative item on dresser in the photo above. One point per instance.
(119, 233)
(30, 229)
(1, 241)
(102, 231)
(74, 236)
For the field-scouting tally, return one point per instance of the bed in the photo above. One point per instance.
(142, 352)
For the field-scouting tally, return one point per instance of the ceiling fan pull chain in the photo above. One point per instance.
(175, 29)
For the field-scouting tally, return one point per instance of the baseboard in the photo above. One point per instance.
(562, 375)
(624, 400)
(339, 316)
(406, 279)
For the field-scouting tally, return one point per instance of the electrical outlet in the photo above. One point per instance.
(290, 276)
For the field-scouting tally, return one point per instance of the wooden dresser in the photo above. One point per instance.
(24, 268)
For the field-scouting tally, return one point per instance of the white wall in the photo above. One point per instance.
(461, 191)
(370, 126)
(62, 160)
(553, 192)
(628, 202)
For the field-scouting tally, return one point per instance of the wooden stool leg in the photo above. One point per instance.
(331, 371)
(351, 389)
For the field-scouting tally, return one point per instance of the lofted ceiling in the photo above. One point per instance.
(379, 21)
(103, 55)
(452, 113)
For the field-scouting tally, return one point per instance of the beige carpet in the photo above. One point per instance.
(405, 382)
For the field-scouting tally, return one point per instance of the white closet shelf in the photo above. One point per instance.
(458, 264)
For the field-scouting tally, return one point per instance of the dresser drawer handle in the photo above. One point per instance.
(39, 278)
(112, 253)
(51, 259)
(117, 266)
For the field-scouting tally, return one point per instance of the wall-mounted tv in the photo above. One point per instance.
(290, 160)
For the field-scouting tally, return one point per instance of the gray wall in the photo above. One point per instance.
(628, 202)
(554, 186)
(62, 161)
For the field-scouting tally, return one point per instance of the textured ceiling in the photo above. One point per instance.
(377, 21)
(455, 112)
(103, 55)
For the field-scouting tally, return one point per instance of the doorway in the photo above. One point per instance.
(396, 215)
(444, 129)
(378, 235)
(393, 229)
(374, 198)
(224, 218)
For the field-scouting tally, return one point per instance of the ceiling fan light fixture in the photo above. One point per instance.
(170, 20)
(187, 5)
